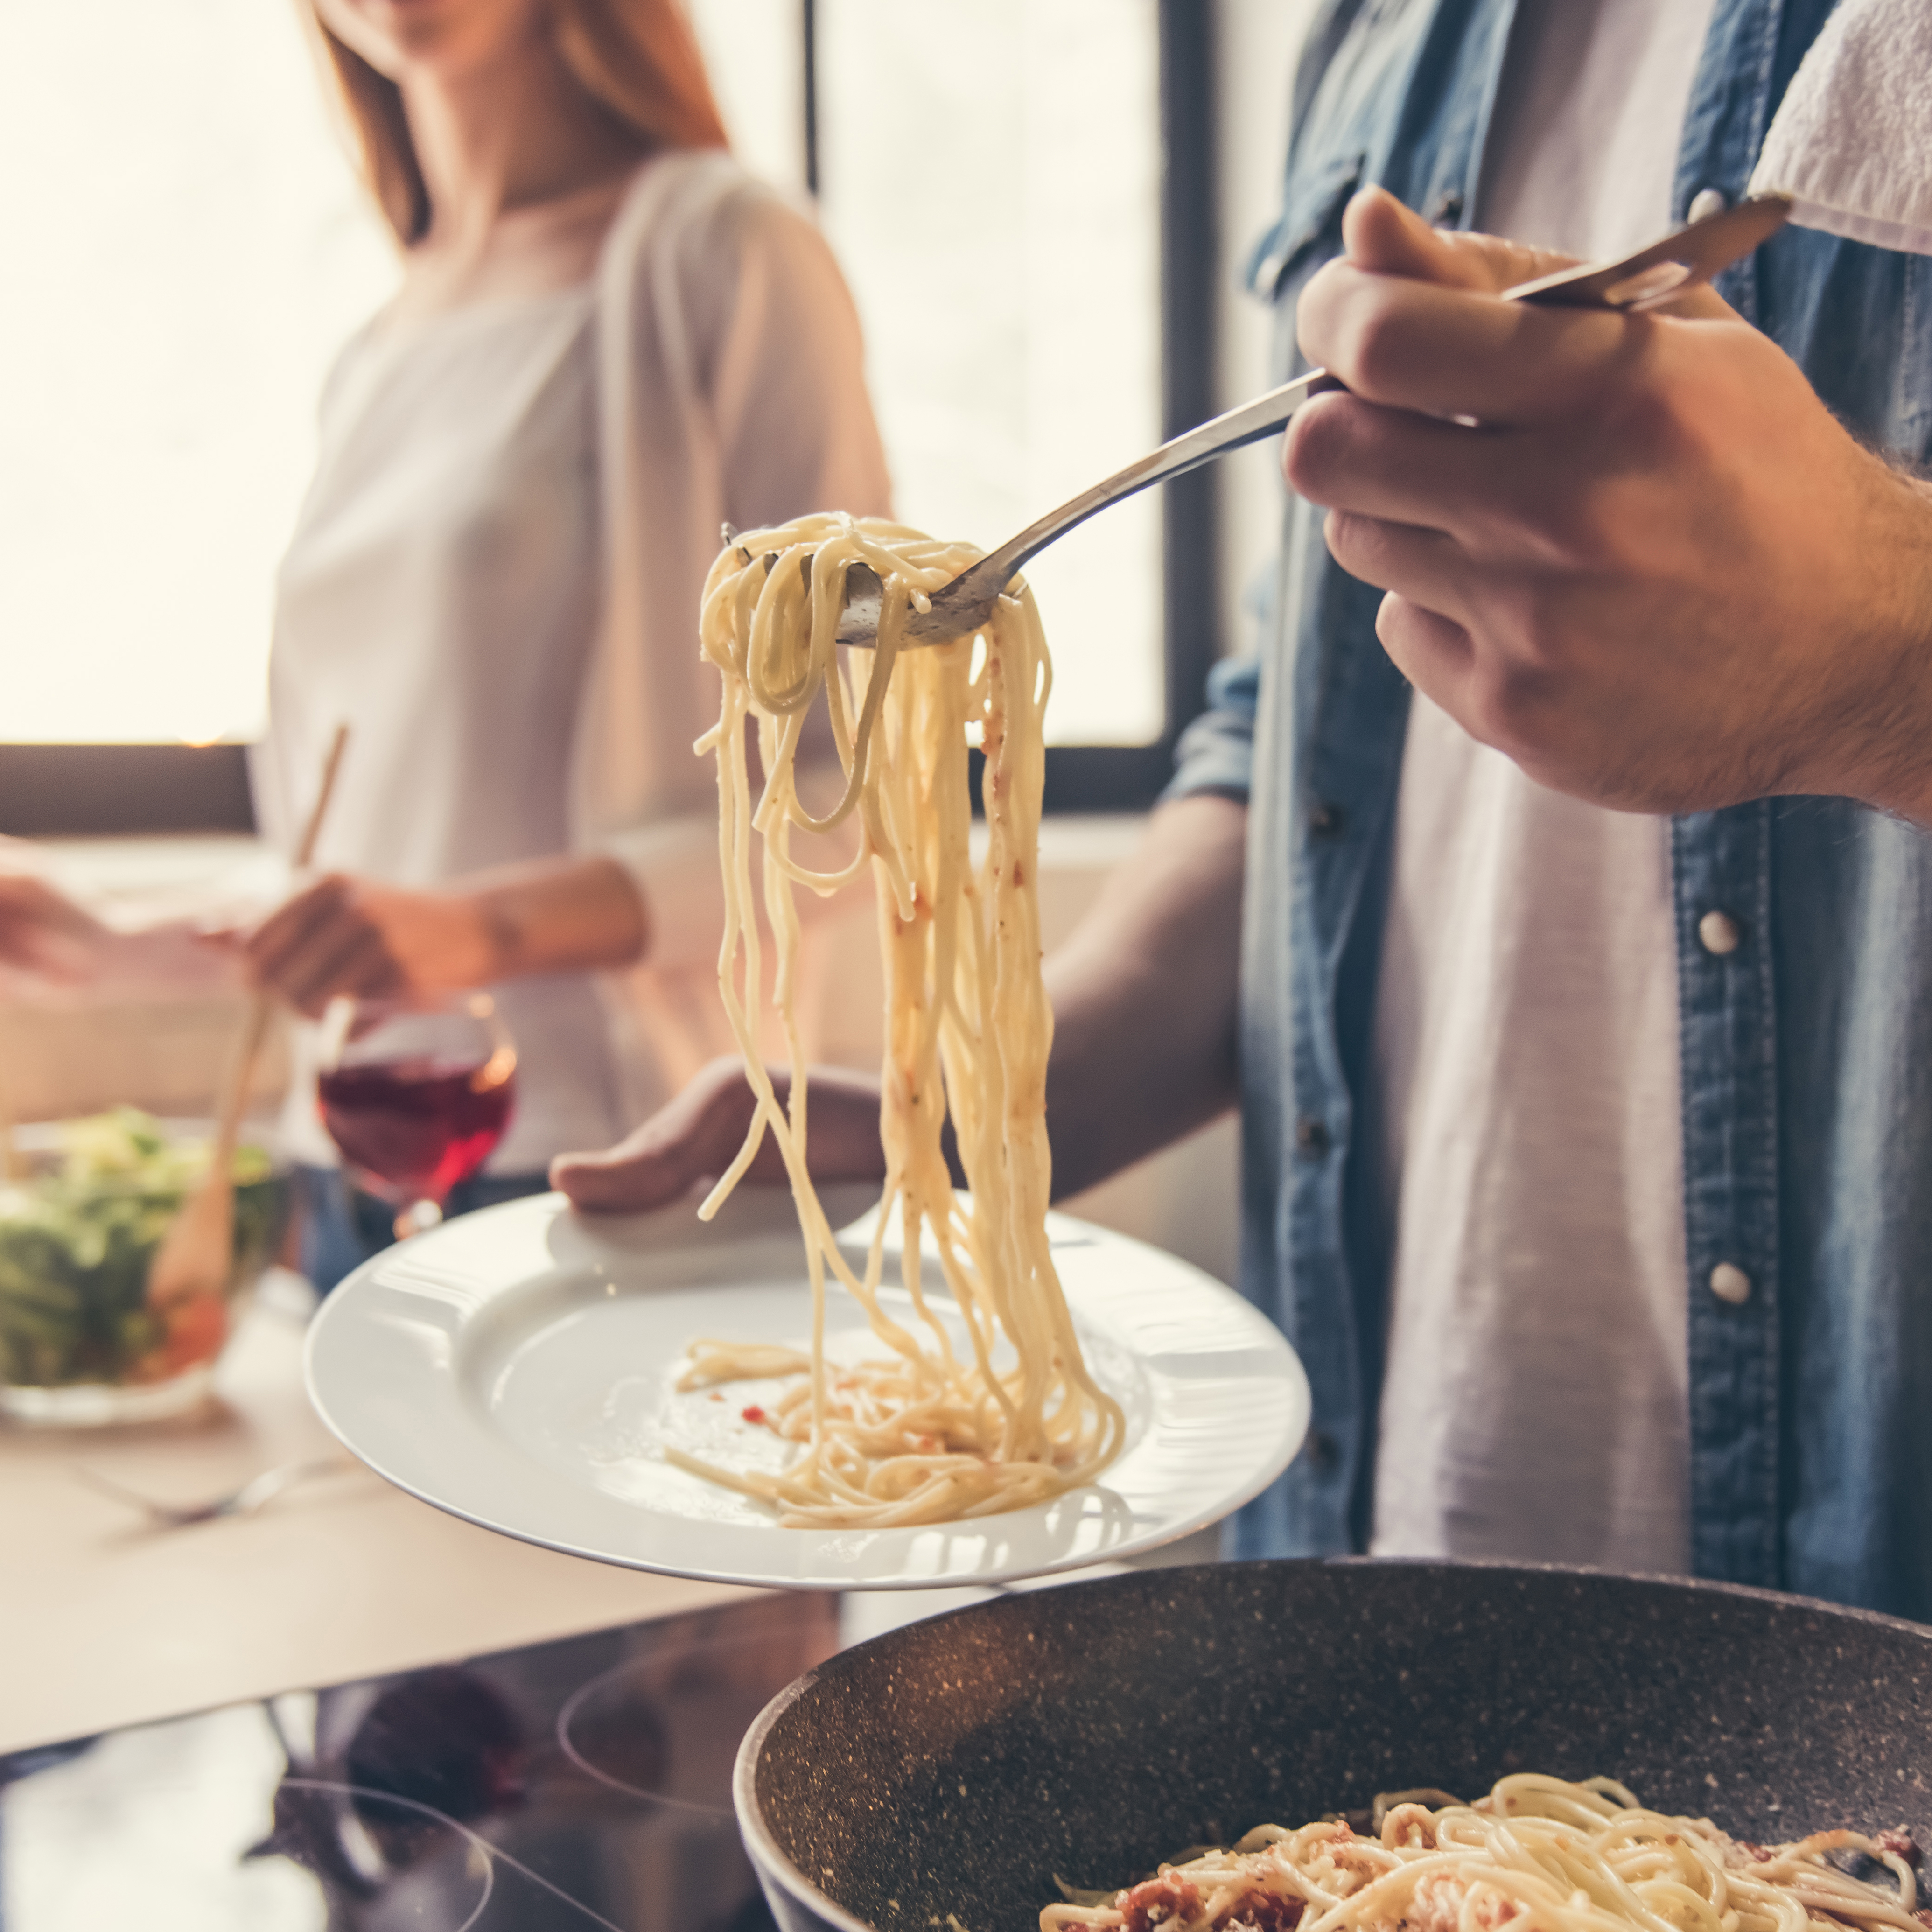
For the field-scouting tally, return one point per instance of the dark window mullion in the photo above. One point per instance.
(49, 791)
(808, 31)
(1106, 778)
(1189, 276)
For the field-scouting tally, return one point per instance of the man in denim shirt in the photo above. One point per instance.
(1582, 1149)
(1657, 583)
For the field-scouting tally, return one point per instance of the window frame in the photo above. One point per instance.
(52, 790)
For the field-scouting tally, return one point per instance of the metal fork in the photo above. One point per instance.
(1650, 275)
(244, 1500)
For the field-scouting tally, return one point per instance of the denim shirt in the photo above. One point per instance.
(1806, 1051)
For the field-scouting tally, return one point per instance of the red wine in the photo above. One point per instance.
(415, 1127)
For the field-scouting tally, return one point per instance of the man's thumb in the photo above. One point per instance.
(1387, 239)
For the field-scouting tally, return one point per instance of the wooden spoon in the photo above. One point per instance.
(198, 1256)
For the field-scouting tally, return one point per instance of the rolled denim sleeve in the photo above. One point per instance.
(1215, 753)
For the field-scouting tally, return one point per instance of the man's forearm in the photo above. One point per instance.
(1143, 997)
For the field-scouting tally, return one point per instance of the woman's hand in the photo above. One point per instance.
(43, 931)
(345, 935)
(695, 1137)
(46, 936)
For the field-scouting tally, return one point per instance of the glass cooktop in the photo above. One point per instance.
(568, 1785)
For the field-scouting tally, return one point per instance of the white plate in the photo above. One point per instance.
(514, 1367)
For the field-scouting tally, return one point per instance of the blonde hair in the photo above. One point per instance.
(637, 59)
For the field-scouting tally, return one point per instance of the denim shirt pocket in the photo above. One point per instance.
(1307, 233)
(1311, 210)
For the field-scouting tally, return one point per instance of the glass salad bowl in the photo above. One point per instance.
(90, 1203)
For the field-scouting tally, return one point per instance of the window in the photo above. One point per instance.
(200, 248)
(1061, 324)
(186, 250)
(989, 172)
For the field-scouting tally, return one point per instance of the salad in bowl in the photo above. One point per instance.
(80, 1339)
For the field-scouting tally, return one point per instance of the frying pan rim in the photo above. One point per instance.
(771, 1863)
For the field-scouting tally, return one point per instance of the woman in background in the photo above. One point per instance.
(608, 340)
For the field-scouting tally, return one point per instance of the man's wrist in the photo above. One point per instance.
(1896, 773)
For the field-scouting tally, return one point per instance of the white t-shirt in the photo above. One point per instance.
(440, 593)
(495, 579)
(1525, 1102)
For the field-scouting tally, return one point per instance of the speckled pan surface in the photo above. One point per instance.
(956, 1766)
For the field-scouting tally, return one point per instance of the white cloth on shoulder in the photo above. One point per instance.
(1852, 144)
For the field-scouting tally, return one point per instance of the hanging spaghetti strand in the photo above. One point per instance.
(928, 1432)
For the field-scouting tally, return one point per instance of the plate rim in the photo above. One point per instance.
(1285, 1370)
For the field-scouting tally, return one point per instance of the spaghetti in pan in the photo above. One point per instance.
(1536, 1854)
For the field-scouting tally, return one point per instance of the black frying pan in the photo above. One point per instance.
(955, 1765)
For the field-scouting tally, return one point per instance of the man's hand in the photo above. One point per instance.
(694, 1138)
(1144, 999)
(1634, 553)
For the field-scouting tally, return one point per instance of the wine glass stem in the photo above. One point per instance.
(416, 1217)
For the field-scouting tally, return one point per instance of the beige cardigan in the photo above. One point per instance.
(726, 383)
(731, 389)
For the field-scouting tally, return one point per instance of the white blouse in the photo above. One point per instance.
(495, 576)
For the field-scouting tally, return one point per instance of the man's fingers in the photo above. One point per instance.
(693, 1137)
(1483, 485)
(1452, 351)
(1425, 566)
(1434, 653)
(696, 1136)
(1380, 234)
(1501, 700)
(1408, 316)
(642, 1171)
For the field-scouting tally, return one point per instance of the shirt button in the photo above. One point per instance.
(1324, 1452)
(1325, 820)
(1311, 1138)
(1706, 202)
(1719, 933)
(1730, 1283)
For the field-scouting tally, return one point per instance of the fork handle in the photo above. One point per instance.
(1658, 273)
(1250, 423)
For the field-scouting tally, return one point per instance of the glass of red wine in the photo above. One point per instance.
(416, 1092)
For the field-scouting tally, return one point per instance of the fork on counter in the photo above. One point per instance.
(244, 1500)
(1645, 279)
